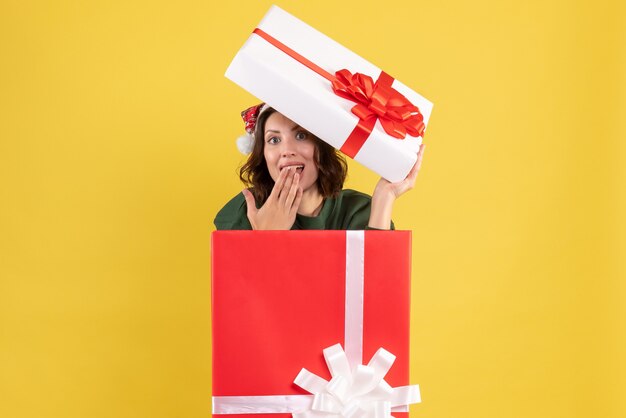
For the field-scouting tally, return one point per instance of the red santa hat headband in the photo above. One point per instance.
(245, 142)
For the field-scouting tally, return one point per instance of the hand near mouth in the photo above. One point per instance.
(279, 210)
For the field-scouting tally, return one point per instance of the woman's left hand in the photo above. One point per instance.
(386, 193)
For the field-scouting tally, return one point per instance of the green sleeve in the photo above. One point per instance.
(356, 208)
(233, 216)
(392, 228)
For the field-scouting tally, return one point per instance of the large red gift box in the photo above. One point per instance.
(281, 297)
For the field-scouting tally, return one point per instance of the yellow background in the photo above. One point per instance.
(117, 148)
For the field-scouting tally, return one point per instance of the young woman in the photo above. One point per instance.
(296, 181)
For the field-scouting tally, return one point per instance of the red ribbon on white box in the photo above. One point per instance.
(355, 390)
(375, 100)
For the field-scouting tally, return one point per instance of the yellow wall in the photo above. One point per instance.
(117, 133)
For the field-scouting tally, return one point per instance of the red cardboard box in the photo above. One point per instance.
(281, 297)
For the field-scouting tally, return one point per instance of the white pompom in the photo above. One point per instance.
(245, 143)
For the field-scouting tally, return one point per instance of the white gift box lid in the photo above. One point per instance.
(308, 99)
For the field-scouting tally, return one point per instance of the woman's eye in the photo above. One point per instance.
(302, 136)
(273, 140)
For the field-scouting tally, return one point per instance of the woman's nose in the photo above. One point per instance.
(288, 148)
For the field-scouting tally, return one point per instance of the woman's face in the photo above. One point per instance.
(286, 145)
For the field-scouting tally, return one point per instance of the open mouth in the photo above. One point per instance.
(298, 167)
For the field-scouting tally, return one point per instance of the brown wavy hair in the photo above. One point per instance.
(331, 166)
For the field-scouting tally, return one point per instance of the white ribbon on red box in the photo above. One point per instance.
(355, 390)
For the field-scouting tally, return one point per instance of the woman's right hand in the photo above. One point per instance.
(279, 210)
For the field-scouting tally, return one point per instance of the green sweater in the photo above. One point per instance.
(349, 210)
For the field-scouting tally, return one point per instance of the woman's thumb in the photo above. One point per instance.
(250, 202)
